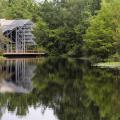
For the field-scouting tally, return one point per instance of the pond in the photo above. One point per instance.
(58, 89)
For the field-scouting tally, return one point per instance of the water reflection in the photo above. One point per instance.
(72, 89)
(36, 115)
(16, 76)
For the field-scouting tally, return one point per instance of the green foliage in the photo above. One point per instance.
(102, 38)
(3, 39)
(19, 9)
(3, 5)
(62, 26)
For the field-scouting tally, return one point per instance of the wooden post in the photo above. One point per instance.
(24, 40)
(16, 41)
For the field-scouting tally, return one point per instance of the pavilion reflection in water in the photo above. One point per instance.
(16, 75)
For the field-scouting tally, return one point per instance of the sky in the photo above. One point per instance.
(41, 0)
(38, 0)
(33, 114)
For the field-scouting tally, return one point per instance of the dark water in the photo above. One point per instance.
(58, 89)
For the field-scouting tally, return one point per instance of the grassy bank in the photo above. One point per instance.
(108, 65)
(1, 56)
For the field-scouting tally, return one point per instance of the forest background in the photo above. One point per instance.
(76, 28)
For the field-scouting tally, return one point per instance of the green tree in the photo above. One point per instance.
(102, 37)
(20, 9)
(66, 22)
(3, 39)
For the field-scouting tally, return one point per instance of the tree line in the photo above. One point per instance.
(76, 28)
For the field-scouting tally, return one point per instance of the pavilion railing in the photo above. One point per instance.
(20, 51)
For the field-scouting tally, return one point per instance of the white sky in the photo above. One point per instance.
(38, 0)
(41, 0)
(33, 114)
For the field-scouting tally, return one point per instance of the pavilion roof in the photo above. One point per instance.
(12, 24)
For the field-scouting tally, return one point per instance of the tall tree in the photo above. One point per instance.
(66, 22)
(102, 38)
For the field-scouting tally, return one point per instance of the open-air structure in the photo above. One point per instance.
(20, 34)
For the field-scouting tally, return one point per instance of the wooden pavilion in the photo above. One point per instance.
(20, 34)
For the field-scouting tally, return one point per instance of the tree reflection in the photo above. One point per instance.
(102, 86)
(62, 87)
(74, 89)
